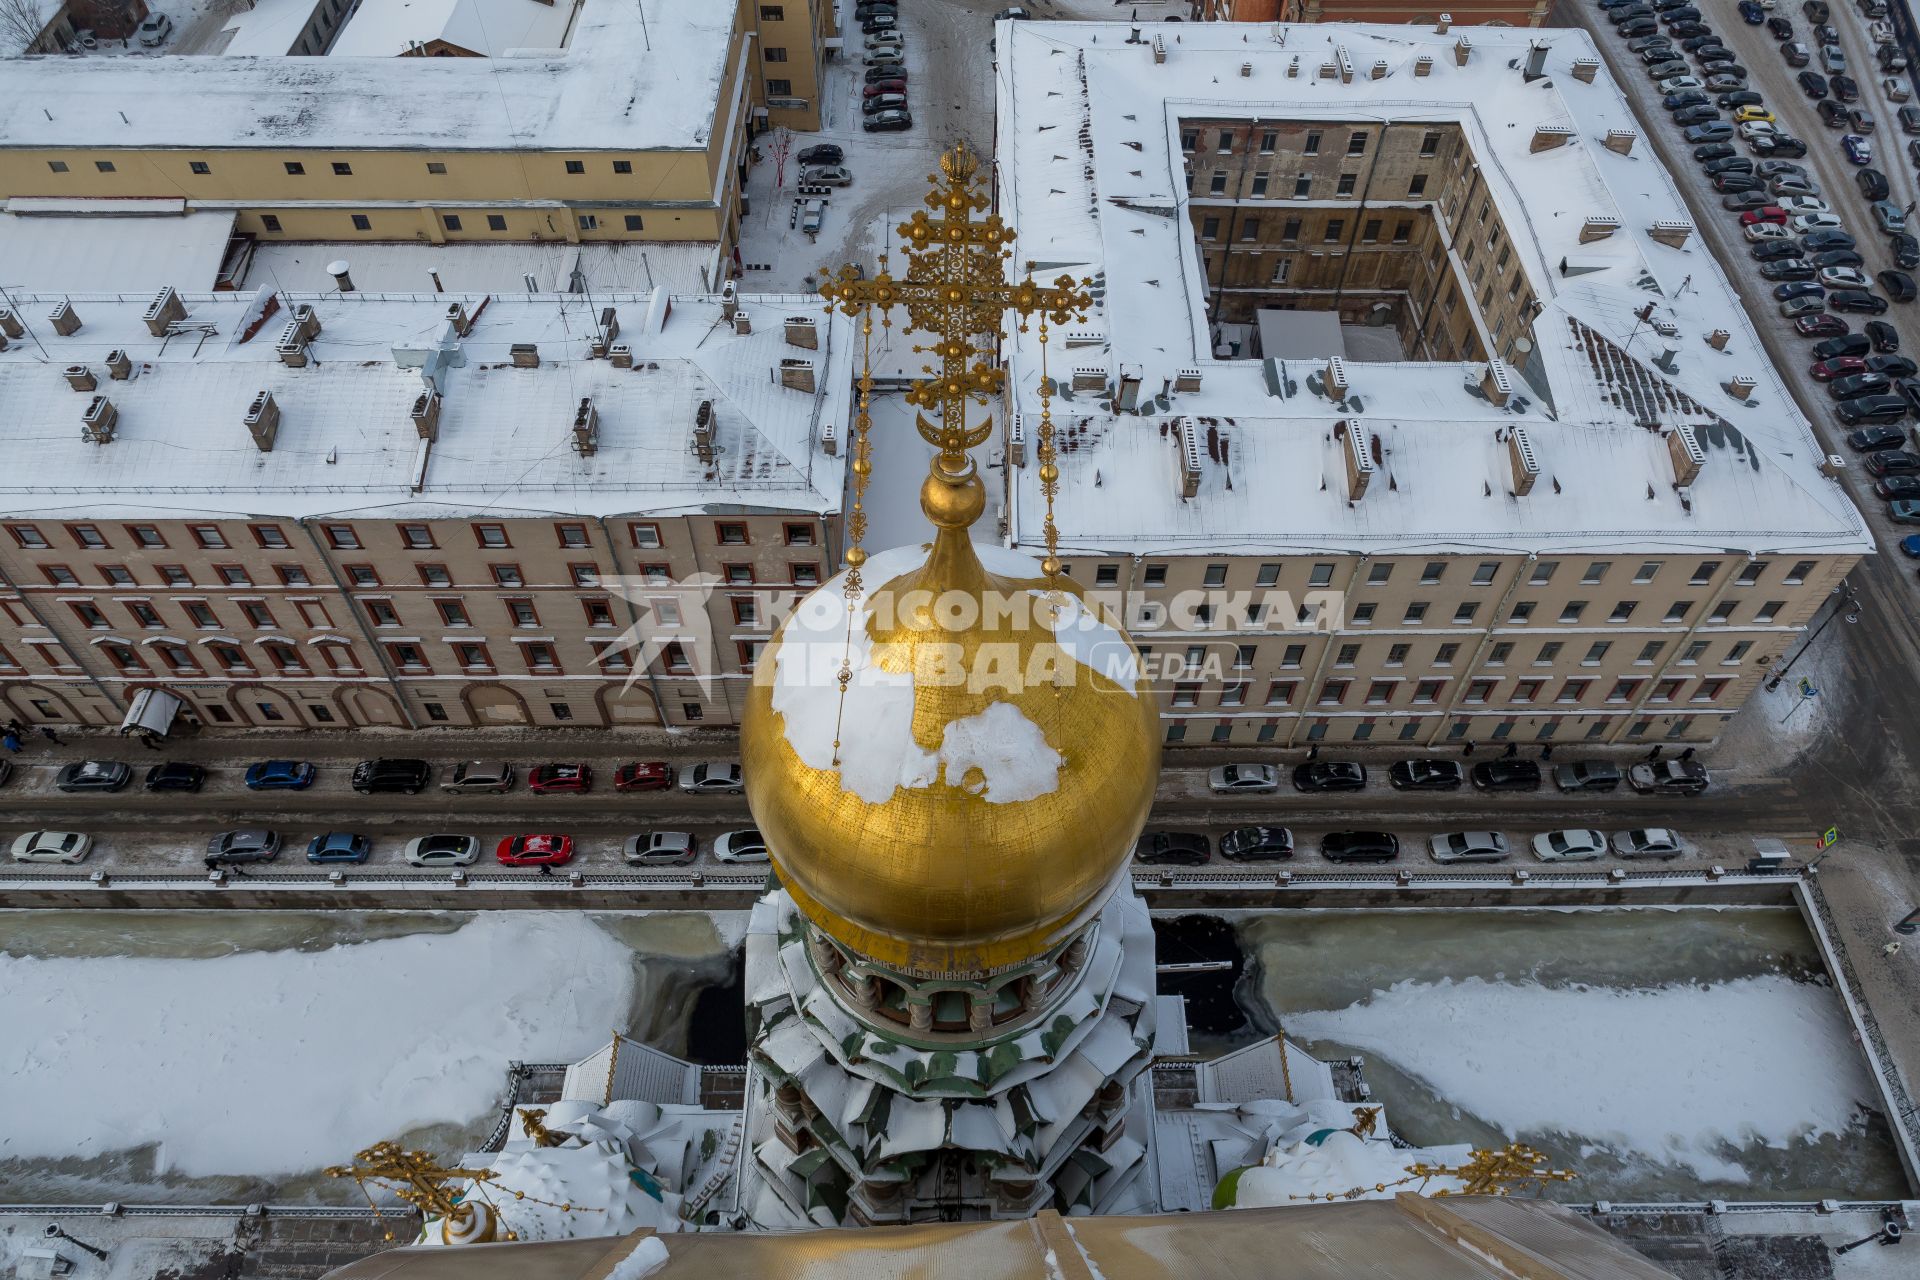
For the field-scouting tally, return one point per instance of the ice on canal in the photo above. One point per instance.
(228, 1054)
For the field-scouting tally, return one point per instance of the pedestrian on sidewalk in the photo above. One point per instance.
(1313, 752)
(545, 869)
(1546, 752)
(1467, 750)
(1687, 754)
(11, 742)
(1655, 753)
(1513, 749)
(150, 742)
(14, 726)
(46, 731)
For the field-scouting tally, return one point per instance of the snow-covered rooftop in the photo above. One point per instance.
(1091, 175)
(486, 27)
(623, 84)
(347, 441)
(629, 266)
(127, 245)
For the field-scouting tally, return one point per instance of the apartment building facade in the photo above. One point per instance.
(1510, 13)
(534, 511)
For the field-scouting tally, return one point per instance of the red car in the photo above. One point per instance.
(535, 851)
(879, 87)
(1838, 367)
(1765, 213)
(1821, 326)
(546, 779)
(644, 775)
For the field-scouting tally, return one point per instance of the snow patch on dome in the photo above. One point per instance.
(1010, 752)
(1088, 638)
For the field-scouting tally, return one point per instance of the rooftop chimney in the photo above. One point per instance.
(293, 344)
(64, 319)
(457, 317)
(1520, 456)
(1671, 231)
(1189, 456)
(426, 415)
(263, 421)
(1246, 70)
(1159, 49)
(1380, 69)
(1446, 21)
(1584, 69)
(1345, 62)
(525, 355)
(797, 374)
(165, 309)
(802, 332)
(98, 420)
(1337, 379)
(586, 428)
(1598, 226)
(81, 378)
(620, 355)
(1740, 386)
(703, 431)
(1187, 380)
(1548, 136)
(10, 324)
(1423, 65)
(1718, 339)
(309, 321)
(742, 323)
(1622, 140)
(1359, 459)
(1497, 383)
(341, 280)
(1462, 50)
(1686, 454)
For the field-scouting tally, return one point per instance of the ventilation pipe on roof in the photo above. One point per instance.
(1740, 386)
(81, 378)
(64, 319)
(802, 332)
(1665, 361)
(1622, 140)
(525, 355)
(797, 375)
(341, 280)
(1496, 383)
(1189, 434)
(1686, 455)
(119, 367)
(1462, 50)
(1548, 136)
(1672, 231)
(98, 421)
(1446, 21)
(703, 431)
(1521, 458)
(1536, 64)
(1718, 339)
(1598, 226)
(1359, 459)
(263, 421)
(586, 428)
(426, 415)
(1584, 69)
(1423, 65)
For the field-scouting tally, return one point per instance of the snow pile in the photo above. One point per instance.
(1339, 1164)
(647, 1257)
(279, 1062)
(1676, 1074)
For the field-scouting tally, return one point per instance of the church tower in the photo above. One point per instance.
(950, 752)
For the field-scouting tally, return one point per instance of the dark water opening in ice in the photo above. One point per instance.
(1215, 1018)
(717, 1032)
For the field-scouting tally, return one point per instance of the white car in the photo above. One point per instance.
(1767, 231)
(1815, 222)
(877, 54)
(741, 846)
(1468, 846)
(1651, 842)
(442, 851)
(52, 846)
(1569, 846)
(812, 214)
(1895, 88)
(1844, 278)
(712, 777)
(155, 30)
(661, 849)
(1230, 778)
(1751, 129)
(1799, 206)
(1674, 84)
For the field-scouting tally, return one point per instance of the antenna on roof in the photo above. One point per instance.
(641, 5)
(123, 118)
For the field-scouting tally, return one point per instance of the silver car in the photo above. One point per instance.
(1468, 846)
(1649, 842)
(1232, 778)
(52, 846)
(254, 845)
(826, 175)
(660, 849)
(1569, 846)
(713, 776)
(442, 851)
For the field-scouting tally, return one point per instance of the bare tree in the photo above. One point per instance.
(21, 22)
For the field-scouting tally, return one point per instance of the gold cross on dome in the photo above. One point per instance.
(955, 288)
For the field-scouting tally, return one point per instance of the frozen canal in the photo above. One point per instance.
(199, 1057)
(1663, 1053)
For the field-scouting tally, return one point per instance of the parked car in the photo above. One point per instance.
(826, 175)
(92, 775)
(874, 88)
(1874, 439)
(1859, 384)
(1761, 232)
(1685, 98)
(1799, 289)
(1827, 326)
(1740, 98)
(884, 71)
(1237, 778)
(554, 779)
(1788, 269)
(1425, 774)
(1904, 511)
(176, 775)
(1849, 344)
(1781, 28)
(1845, 89)
(1897, 488)
(1329, 775)
(1360, 846)
(822, 153)
(1797, 206)
(1883, 335)
(1793, 308)
(1905, 249)
(1909, 117)
(1893, 366)
(1669, 777)
(1173, 848)
(442, 851)
(1804, 223)
(1857, 300)
(339, 846)
(1752, 14)
(1718, 131)
(1586, 775)
(1888, 408)
(155, 30)
(1695, 115)
(1256, 844)
(1844, 277)
(884, 103)
(1648, 842)
(1898, 284)
(1506, 775)
(1857, 148)
(1713, 151)
(407, 777)
(644, 775)
(888, 122)
(239, 848)
(1832, 238)
(52, 846)
(661, 849)
(1862, 120)
(535, 850)
(1796, 53)
(713, 777)
(1572, 845)
(1468, 846)
(1893, 462)
(281, 775)
(480, 775)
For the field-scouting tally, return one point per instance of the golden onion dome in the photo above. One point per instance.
(975, 793)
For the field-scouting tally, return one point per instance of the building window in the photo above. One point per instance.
(1464, 613)
(1336, 227)
(623, 166)
(90, 616)
(1433, 572)
(1572, 611)
(1623, 610)
(1668, 690)
(599, 612)
(362, 223)
(804, 575)
(409, 658)
(1209, 228)
(1249, 229)
(199, 166)
(257, 614)
(1549, 652)
(773, 13)
(1416, 613)
(1302, 186)
(1402, 232)
(1738, 651)
(1344, 187)
(1724, 610)
(1357, 144)
(584, 575)
(200, 615)
(1378, 573)
(644, 535)
(1527, 690)
(489, 535)
(522, 613)
(1380, 692)
(175, 575)
(1348, 655)
(87, 536)
(1445, 654)
(496, 222)
(1481, 690)
(1768, 611)
(540, 657)
(28, 536)
(60, 576)
(104, 166)
(435, 575)
(1334, 692)
(1596, 571)
(634, 222)
(1259, 188)
(1703, 572)
(416, 537)
(1595, 652)
(779, 88)
(341, 169)
(1428, 690)
(1311, 147)
(453, 613)
(1371, 232)
(295, 168)
(774, 55)
(451, 221)
(1429, 144)
(589, 222)
(507, 575)
(1281, 270)
(58, 166)
(436, 167)
(1799, 572)
(434, 710)
(341, 537)
(363, 575)
(730, 535)
(474, 657)
(234, 575)
(381, 613)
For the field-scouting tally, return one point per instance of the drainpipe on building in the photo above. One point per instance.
(1326, 651)
(633, 622)
(359, 621)
(1473, 666)
(1706, 611)
(26, 602)
(1360, 216)
(1233, 222)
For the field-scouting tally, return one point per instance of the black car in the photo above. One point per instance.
(1873, 439)
(1256, 844)
(1892, 487)
(1893, 366)
(1695, 115)
(1858, 301)
(882, 71)
(1692, 43)
(1832, 114)
(405, 776)
(1855, 385)
(1788, 269)
(176, 775)
(1905, 250)
(1883, 336)
(1173, 848)
(1821, 241)
(1873, 183)
(1898, 284)
(1837, 258)
(234, 848)
(1684, 98)
(1507, 775)
(1845, 88)
(1680, 13)
(1714, 151)
(1816, 11)
(1813, 84)
(1877, 409)
(1741, 98)
(1782, 28)
(1329, 775)
(822, 153)
(93, 775)
(887, 122)
(1425, 775)
(1360, 846)
(1777, 144)
(1893, 462)
(1730, 183)
(1847, 344)
(1778, 251)
(1723, 67)
(1728, 164)
(1689, 28)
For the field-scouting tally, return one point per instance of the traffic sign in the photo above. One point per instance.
(1828, 838)
(1807, 689)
